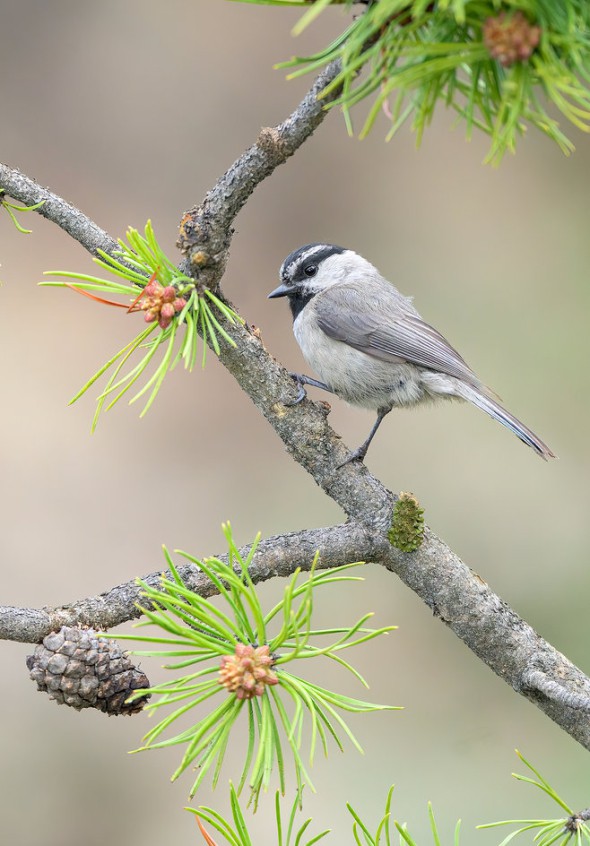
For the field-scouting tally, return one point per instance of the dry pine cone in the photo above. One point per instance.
(78, 668)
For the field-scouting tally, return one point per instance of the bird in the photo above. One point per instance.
(369, 345)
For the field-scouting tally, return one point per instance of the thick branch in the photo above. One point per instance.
(205, 234)
(459, 597)
(463, 601)
(305, 431)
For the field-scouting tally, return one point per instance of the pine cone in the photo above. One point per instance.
(77, 668)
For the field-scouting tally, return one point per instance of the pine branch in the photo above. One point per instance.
(206, 229)
(275, 556)
(454, 593)
(80, 227)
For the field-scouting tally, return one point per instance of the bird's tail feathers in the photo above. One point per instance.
(498, 412)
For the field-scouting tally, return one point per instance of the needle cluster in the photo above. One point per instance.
(501, 66)
(239, 654)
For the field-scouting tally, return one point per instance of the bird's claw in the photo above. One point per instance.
(302, 392)
(355, 455)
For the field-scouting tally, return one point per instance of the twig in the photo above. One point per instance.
(206, 229)
(460, 598)
(55, 208)
(275, 556)
(455, 594)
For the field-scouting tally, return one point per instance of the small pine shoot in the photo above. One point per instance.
(177, 309)
(241, 655)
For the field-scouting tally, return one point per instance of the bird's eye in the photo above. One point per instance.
(310, 270)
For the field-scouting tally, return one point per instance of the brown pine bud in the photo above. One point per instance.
(510, 38)
(152, 288)
(247, 672)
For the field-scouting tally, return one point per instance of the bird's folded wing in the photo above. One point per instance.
(385, 326)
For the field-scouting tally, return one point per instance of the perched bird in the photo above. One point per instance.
(369, 345)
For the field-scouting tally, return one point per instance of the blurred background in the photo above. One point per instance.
(131, 111)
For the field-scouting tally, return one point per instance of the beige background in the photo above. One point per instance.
(131, 110)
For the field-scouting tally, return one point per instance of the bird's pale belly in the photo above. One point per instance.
(345, 370)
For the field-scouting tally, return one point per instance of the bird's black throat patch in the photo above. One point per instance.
(298, 300)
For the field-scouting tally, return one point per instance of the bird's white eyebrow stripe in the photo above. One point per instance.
(317, 252)
(311, 252)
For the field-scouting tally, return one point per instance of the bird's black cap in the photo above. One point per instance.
(295, 262)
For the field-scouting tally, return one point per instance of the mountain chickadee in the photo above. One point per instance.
(370, 346)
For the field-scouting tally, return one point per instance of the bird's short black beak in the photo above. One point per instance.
(282, 291)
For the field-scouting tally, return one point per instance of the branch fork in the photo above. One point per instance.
(461, 599)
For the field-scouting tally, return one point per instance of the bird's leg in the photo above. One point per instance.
(359, 453)
(306, 380)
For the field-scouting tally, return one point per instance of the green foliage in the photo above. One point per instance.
(414, 54)
(364, 837)
(361, 833)
(405, 836)
(557, 831)
(238, 835)
(407, 524)
(244, 651)
(560, 831)
(11, 208)
(170, 301)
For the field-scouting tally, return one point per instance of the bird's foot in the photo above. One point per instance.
(298, 379)
(302, 380)
(359, 453)
(356, 455)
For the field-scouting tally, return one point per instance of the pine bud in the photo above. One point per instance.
(247, 672)
(169, 294)
(510, 38)
(179, 303)
(166, 314)
(152, 288)
(160, 303)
